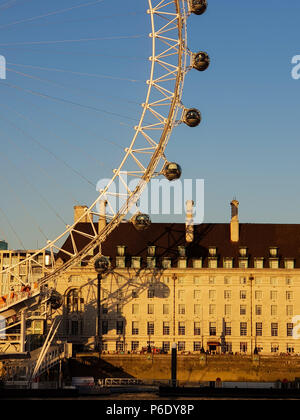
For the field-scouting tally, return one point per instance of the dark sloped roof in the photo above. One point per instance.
(258, 238)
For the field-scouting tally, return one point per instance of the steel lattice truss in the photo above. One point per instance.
(145, 157)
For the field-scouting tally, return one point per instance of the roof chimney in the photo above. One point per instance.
(78, 212)
(102, 217)
(234, 224)
(189, 222)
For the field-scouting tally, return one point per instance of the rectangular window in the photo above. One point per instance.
(258, 309)
(243, 328)
(135, 328)
(289, 310)
(181, 294)
(274, 310)
(166, 346)
(211, 280)
(227, 328)
(150, 309)
(197, 309)
(258, 329)
(134, 345)
(227, 294)
(227, 310)
(135, 308)
(258, 294)
(181, 328)
(212, 328)
(243, 309)
(197, 328)
(273, 294)
(196, 280)
(273, 281)
(288, 281)
(212, 263)
(181, 309)
(166, 328)
(212, 309)
(119, 346)
(289, 295)
(181, 345)
(212, 294)
(166, 308)
(197, 294)
(150, 328)
(243, 294)
(274, 329)
(243, 347)
(197, 345)
(227, 280)
(243, 280)
(289, 329)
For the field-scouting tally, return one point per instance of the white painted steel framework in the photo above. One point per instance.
(145, 156)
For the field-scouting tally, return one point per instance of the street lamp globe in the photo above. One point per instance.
(102, 265)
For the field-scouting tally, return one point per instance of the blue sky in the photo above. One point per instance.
(53, 152)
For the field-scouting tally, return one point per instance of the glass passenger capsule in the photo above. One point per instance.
(192, 117)
(198, 7)
(201, 61)
(141, 221)
(172, 171)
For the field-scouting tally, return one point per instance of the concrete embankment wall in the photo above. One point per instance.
(193, 368)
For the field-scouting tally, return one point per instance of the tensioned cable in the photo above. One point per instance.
(40, 167)
(50, 131)
(51, 13)
(50, 152)
(26, 180)
(24, 207)
(81, 53)
(102, 76)
(12, 228)
(64, 86)
(62, 22)
(43, 95)
(105, 38)
(66, 120)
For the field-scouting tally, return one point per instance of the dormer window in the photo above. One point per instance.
(258, 262)
(243, 251)
(182, 262)
(120, 262)
(212, 251)
(151, 251)
(227, 262)
(136, 262)
(273, 263)
(121, 250)
(289, 263)
(166, 262)
(181, 251)
(197, 263)
(273, 251)
(151, 262)
(243, 262)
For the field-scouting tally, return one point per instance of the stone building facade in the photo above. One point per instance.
(223, 288)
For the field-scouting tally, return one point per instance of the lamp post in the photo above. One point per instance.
(101, 266)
